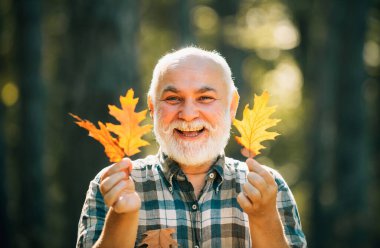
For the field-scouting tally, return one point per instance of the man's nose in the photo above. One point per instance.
(189, 111)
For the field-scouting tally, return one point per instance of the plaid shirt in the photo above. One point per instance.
(168, 201)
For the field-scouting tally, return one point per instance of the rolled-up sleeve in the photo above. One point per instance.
(290, 218)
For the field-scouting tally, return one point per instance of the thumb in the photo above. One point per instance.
(128, 168)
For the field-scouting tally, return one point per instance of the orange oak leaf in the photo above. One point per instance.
(160, 238)
(128, 133)
(111, 147)
(253, 127)
(129, 130)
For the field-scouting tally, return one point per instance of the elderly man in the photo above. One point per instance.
(208, 199)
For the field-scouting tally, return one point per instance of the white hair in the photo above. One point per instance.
(182, 55)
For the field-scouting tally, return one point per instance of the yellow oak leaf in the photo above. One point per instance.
(111, 147)
(160, 238)
(253, 127)
(128, 133)
(129, 130)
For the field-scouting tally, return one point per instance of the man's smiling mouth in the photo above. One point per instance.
(190, 132)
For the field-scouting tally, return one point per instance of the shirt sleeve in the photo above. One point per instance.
(290, 218)
(92, 217)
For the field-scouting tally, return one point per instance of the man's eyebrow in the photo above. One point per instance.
(205, 89)
(171, 89)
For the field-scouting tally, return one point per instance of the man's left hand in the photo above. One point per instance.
(258, 198)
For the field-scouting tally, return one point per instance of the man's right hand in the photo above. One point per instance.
(118, 188)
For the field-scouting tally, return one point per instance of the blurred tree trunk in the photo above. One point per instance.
(99, 64)
(30, 154)
(375, 196)
(334, 80)
(4, 221)
(234, 56)
(320, 81)
(352, 172)
(185, 31)
(376, 159)
(302, 19)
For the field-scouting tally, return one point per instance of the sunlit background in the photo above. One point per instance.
(320, 61)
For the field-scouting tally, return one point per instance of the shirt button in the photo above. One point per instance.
(196, 246)
(212, 175)
(194, 207)
(170, 189)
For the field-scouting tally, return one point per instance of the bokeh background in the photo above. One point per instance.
(319, 59)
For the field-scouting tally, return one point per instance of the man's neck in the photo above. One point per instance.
(196, 169)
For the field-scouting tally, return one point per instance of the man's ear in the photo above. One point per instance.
(234, 104)
(150, 106)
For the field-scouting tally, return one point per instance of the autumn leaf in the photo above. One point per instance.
(129, 132)
(253, 127)
(160, 238)
(111, 147)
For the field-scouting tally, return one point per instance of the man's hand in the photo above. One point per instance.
(118, 189)
(258, 200)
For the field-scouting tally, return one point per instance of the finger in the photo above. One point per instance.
(130, 185)
(125, 164)
(257, 181)
(110, 181)
(127, 203)
(111, 197)
(252, 193)
(255, 166)
(244, 202)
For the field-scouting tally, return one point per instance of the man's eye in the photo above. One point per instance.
(206, 99)
(172, 100)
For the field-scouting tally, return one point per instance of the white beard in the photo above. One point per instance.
(193, 153)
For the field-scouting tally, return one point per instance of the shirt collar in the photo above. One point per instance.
(171, 168)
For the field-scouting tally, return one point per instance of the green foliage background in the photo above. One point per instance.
(320, 60)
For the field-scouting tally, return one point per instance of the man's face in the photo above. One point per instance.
(191, 115)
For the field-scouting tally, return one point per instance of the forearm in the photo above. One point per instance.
(120, 230)
(267, 232)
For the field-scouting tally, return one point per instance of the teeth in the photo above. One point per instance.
(193, 129)
(193, 134)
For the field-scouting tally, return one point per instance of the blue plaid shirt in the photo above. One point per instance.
(168, 201)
